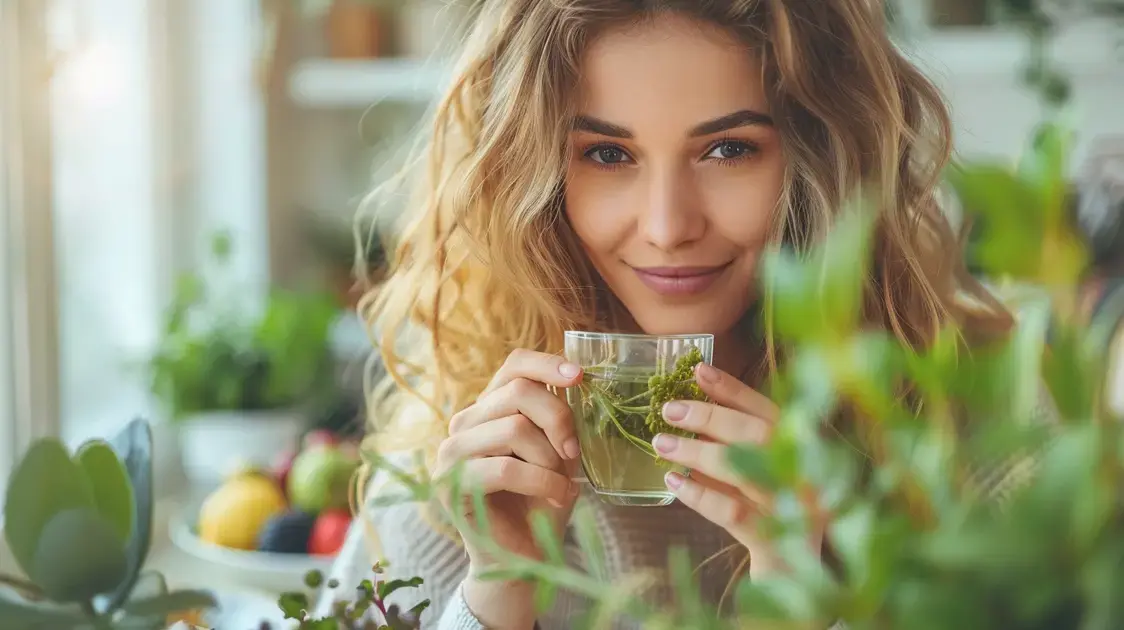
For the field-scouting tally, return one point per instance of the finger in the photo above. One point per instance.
(727, 510)
(726, 425)
(507, 474)
(531, 399)
(512, 435)
(549, 369)
(728, 391)
(709, 458)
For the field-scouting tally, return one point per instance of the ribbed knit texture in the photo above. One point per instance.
(634, 539)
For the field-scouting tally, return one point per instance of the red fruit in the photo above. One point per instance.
(329, 532)
(319, 437)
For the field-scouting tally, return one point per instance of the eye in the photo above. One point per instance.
(607, 155)
(731, 150)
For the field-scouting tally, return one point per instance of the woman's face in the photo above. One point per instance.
(676, 173)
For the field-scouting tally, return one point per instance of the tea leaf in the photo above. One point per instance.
(113, 493)
(46, 482)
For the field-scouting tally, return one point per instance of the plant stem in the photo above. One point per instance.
(23, 586)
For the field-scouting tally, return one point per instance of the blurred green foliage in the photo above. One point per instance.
(976, 503)
(216, 354)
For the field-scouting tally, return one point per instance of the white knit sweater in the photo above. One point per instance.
(633, 539)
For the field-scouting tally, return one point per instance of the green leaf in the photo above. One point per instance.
(113, 493)
(753, 464)
(545, 594)
(170, 603)
(313, 579)
(388, 587)
(844, 263)
(547, 538)
(789, 292)
(293, 605)
(79, 556)
(46, 481)
(682, 580)
(584, 524)
(23, 615)
(851, 537)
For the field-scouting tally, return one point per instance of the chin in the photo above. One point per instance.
(692, 322)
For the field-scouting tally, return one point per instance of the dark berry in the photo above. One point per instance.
(287, 533)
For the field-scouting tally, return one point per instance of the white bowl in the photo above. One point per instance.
(274, 572)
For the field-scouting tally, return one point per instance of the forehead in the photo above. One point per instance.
(669, 67)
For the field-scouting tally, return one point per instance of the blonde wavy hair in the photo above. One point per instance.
(487, 262)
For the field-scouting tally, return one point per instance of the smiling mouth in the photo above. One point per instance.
(686, 280)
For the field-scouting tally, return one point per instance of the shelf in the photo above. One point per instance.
(331, 83)
(971, 54)
(959, 55)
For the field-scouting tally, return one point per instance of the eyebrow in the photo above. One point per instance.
(742, 118)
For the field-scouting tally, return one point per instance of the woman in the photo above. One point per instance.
(622, 165)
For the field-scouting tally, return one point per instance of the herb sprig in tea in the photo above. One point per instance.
(639, 418)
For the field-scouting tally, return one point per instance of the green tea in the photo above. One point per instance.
(617, 411)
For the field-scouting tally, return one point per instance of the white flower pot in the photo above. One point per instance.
(215, 444)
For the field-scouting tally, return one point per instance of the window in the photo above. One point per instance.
(128, 129)
(109, 238)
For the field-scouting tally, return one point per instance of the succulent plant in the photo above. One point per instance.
(79, 526)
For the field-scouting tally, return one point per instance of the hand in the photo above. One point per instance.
(737, 414)
(517, 443)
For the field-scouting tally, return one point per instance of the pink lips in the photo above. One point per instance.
(679, 280)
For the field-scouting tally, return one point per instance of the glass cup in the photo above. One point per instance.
(618, 408)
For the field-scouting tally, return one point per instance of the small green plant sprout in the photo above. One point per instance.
(79, 527)
(638, 417)
(368, 609)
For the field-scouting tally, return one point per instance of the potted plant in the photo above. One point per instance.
(238, 383)
(79, 526)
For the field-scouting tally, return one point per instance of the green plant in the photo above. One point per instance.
(79, 527)
(369, 610)
(215, 356)
(948, 505)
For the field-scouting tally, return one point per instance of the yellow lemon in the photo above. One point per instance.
(234, 514)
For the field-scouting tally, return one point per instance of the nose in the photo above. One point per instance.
(671, 216)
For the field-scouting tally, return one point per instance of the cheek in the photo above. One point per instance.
(742, 203)
(594, 208)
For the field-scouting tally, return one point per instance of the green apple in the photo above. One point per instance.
(320, 478)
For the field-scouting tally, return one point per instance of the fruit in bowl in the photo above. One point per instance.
(233, 515)
(298, 507)
(320, 478)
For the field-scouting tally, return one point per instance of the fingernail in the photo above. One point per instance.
(706, 373)
(673, 480)
(675, 411)
(569, 370)
(664, 443)
(574, 489)
(570, 448)
(555, 502)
